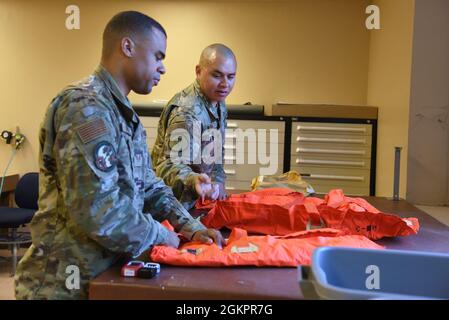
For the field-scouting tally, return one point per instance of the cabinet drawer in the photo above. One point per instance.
(255, 124)
(232, 137)
(242, 172)
(348, 190)
(250, 143)
(330, 150)
(152, 122)
(253, 147)
(335, 139)
(332, 128)
(238, 185)
(335, 161)
(335, 176)
(243, 158)
(246, 159)
(232, 155)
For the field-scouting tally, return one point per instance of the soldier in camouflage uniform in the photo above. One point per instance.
(198, 108)
(99, 198)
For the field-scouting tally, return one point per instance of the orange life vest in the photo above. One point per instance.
(281, 211)
(242, 250)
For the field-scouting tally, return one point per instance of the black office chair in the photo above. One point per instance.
(26, 195)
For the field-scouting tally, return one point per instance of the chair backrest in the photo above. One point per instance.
(27, 191)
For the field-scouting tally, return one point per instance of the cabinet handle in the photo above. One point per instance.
(230, 158)
(332, 129)
(227, 146)
(332, 140)
(230, 171)
(331, 151)
(232, 125)
(334, 162)
(229, 188)
(231, 136)
(331, 177)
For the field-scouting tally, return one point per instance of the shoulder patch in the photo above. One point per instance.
(105, 157)
(88, 111)
(92, 130)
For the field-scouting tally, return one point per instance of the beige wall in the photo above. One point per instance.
(428, 154)
(389, 73)
(294, 51)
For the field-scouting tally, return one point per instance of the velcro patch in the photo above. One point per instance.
(92, 130)
(105, 157)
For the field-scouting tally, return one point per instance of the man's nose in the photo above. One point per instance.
(162, 69)
(224, 82)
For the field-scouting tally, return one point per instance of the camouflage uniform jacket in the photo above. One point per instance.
(98, 196)
(191, 111)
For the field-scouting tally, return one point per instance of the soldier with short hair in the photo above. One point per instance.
(200, 111)
(99, 197)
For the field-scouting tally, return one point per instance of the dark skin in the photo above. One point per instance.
(137, 65)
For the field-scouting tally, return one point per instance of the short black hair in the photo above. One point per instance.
(128, 23)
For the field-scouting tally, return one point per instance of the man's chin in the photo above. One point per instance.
(217, 99)
(221, 98)
(143, 91)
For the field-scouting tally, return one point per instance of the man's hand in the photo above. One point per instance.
(172, 240)
(222, 195)
(209, 236)
(208, 190)
(198, 183)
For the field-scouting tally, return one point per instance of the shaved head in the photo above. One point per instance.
(211, 52)
(216, 71)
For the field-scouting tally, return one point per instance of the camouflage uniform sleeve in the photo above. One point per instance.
(160, 201)
(93, 193)
(174, 168)
(218, 173)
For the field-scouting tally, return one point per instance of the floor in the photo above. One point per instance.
(7, 282)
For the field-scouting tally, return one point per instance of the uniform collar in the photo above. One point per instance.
(122, 102)
(213, 110)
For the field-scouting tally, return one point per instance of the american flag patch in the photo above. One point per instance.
(92, 130)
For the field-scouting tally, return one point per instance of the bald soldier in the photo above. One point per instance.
(200, 112)
(99, 198)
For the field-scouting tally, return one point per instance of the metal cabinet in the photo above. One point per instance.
(333, 155)
(253, 147)
(329, 153)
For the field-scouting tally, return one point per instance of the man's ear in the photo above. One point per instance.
(128, 47)
(197, 71)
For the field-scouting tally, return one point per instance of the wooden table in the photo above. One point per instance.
(250, 282)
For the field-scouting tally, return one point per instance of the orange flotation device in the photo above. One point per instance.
(281, 211)
(243, 250)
